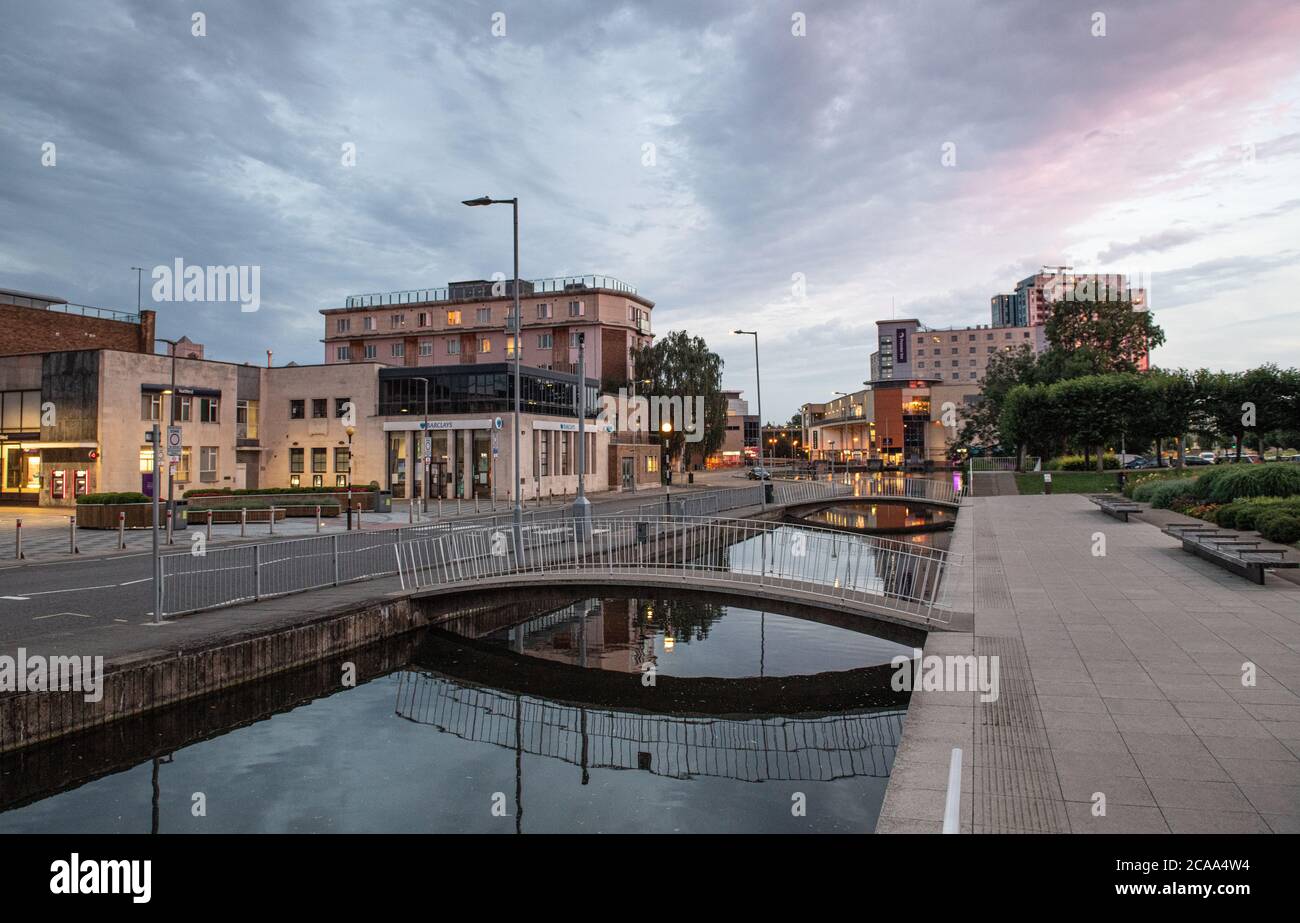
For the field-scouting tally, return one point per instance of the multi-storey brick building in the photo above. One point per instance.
(35, 323)
(468, 323)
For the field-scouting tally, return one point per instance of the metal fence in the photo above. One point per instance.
(679, 746)
(986, 463)
(868, 571)
(228, 576)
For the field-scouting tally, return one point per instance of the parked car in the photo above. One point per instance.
(1207, 457)
(1246, 459)
(1196, 460)
(758, 474)
(1139, 461)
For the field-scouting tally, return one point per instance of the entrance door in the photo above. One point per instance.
(629, 473)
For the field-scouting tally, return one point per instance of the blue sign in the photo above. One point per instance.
(900, 345)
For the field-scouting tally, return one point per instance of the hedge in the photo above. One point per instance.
(1279, 525)
(243, 491)
(1226, 483)
(111, 498)
(1242, 514)
(1171, 493)
(1077, 463)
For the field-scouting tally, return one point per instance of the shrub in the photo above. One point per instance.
(1172, 493)
(1279, 525)
(1226, 483)
(108, 498)
(1076, 463)
(267, 491)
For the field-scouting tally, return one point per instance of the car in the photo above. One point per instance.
(758, 474)
(1246, 459)
(1207, 457)
(1196, 460)
(1139, 462)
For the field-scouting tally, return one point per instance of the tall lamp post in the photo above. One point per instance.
(665, 463)
(515, 326)
(581, 505)
(350, 431)
(137, 270)
(758, 378)
(426, 451)
(171, 421)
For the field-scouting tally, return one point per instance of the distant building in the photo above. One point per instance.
(740, 436)
(38, 323)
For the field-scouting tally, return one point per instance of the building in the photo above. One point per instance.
(37, 323)
(910, 349)
(467, 323)
(1030, 304)
(740, 437)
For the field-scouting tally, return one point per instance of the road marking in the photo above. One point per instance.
(15, 597)
(53, 615)
(133, 582)
(74, 589)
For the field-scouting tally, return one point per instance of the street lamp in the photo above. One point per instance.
(350, 431)
(517, 326)
(137, 270)
(665, 434)
(581, 505)
(171, 421)
(759, 380)
(426, 451)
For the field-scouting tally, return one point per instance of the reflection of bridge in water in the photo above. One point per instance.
(785, 748)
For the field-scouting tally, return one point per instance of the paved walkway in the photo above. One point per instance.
(1121, 676)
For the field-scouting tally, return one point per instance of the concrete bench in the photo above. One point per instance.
(1118, 507)
(1229, 550)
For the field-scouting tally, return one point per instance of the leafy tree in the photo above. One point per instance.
(1095, 337)
(683, 366)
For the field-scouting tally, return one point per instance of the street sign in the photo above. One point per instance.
(427, 460)
(428, 448)
(148, 435)
(496, 424)
(174, 441)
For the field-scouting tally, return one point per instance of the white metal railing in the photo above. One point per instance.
(987, 463)
(873, 572)
(939, 490)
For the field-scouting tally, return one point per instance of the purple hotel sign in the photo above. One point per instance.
(900, 345)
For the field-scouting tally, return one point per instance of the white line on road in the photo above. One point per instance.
(15, 597)
(53, 615)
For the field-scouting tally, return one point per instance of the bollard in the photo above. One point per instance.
(169, 527)
(410, 511)
(360, 510)
(121, 529)
(243, 521)
(318, 518)
(952, 802)
(458, 501)
(209, 525)
(476, 503)
(1047, 482)
(72, 536)
(18, 539)
(440, 507)
(270, 517)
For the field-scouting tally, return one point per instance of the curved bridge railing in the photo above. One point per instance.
(868, 573)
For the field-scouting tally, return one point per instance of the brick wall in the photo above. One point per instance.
(33, 330)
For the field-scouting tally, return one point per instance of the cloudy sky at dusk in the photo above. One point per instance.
(1169, 146)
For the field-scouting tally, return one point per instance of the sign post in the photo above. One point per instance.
(154, 437)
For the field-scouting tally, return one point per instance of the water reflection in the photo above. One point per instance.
(882, 517)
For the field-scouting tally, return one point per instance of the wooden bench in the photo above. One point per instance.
(1118, 507)
(1229, 550)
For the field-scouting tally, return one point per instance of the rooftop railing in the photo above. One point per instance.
(557, 285)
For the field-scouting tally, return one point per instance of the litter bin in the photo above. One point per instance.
(383, 501)
(769, 492)
(643, 532)
(180, 509)
(690, 477)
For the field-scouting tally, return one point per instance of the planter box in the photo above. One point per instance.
(104, 515)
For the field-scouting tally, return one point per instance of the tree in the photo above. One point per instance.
(981, 422)
(1170, 401)
(1092, 338)
(680, 366)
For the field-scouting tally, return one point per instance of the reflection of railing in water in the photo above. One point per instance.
(755, 750)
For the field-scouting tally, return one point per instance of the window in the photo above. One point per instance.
(245, 419)
(398, 350)
(972, 349)
(564, 454)
(545, 311)
(577, 308)
(183, 465)
(21, 413)
(920, 364)
(573, 339)
(368, 323)
(484, 345)
(954, 338)
(544, 340)
(1007, 335)
(920, 352)
(341, 480)
(207, 463)
(372, 351)
(297, 410)
(652, 464)
(341, 405)
(295, 461)
(396, 320)
(988, 336)
(423, 318)
(343, 325)
(510, 347)
(342, 354)
(319, 408)
(453, 346)
(453, 318)
(317, 480)
(151, 406)
(295, 480)
(342, 461)
(184, 408)
(483, 316)
(318, 460)
(543, 454)
(209, 410)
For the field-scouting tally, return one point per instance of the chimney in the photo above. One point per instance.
(148, 320)
(268, 358)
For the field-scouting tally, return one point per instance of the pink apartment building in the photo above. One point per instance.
(465, 323)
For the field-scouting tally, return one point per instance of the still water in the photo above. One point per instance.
(574, 713)
(883, 516)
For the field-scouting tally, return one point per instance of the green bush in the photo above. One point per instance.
(1225, 483)
(1171, 493)
(1076, 463)
(267, 491)
(1279, 525)
(256, 504)
(129, 496)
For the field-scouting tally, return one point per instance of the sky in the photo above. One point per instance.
(802, 168)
